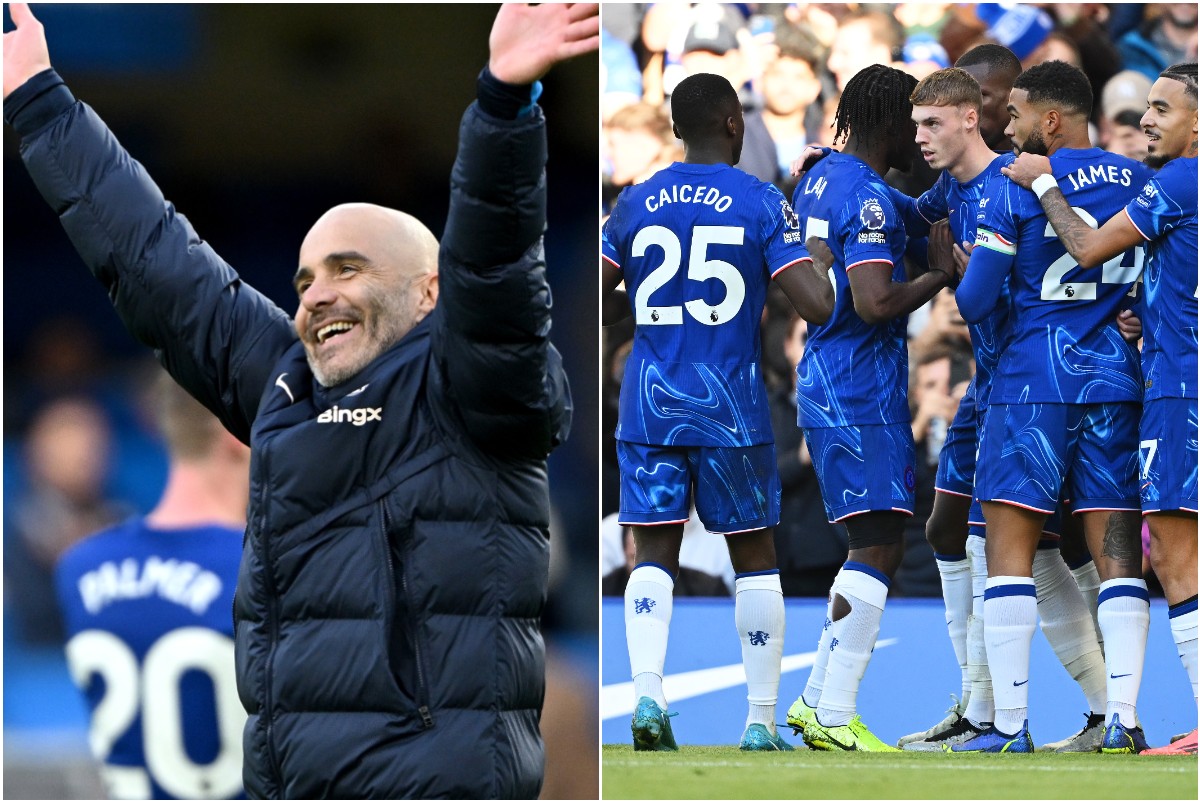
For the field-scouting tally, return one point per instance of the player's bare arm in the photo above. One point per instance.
(25, 51)
(807, 285)
(615, 302)
(1088, 246)
(878, 299)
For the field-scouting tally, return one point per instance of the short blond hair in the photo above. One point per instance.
(949, 87)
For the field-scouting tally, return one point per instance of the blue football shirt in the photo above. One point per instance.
(1165, 214)
(852, 372)
(1064, 345)
(697, 246)
(959, 203)
(149, 618)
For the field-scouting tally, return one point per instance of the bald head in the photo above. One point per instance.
(391, 235)
(367, 276)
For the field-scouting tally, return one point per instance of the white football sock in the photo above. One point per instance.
(1068, 626)
(853, 640)
(816, 676)
(758, 614)
(980, 708)
(1183, 628)
(1088, 580)
(647, 624)
(1010, 607)
(1124, 613)
(955, 571)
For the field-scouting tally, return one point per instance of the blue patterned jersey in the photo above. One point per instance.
(149, 617)
(1165, 214)
(852, 372)
(697, 246)
(1064, 346)
(959, 202)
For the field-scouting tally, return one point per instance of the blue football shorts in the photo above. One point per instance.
(1032, 455)
(956, 461)
(1167, 455)
(863, 468)
(736, 487)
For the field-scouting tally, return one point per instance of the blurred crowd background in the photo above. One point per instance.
(789, 62)
(255, 119)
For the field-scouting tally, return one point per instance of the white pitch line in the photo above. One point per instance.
(617, 699)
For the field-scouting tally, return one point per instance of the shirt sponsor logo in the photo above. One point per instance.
(357, 417)
(1147, 195)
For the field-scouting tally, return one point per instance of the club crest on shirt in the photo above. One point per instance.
(872, 215)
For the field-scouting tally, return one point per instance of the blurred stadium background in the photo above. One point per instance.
(255, 119)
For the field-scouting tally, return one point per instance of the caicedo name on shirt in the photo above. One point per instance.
(687, 194)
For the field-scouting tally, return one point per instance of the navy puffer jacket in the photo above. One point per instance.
(395, 560)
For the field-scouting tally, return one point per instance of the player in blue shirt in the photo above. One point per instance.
(1064, 406)
(852, 389)
(696, 245)
(946, 109)
(1163, 216)
(148, 611)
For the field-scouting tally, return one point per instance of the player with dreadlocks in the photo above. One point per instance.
(1164, 216)
(852, 389)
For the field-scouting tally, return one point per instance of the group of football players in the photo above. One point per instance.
(1062, 259)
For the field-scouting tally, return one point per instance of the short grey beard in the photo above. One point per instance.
(404, 313)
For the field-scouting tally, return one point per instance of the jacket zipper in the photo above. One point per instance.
(272, 622)
(421, 696)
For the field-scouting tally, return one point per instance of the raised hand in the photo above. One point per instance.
(25, 51)
(527, 40)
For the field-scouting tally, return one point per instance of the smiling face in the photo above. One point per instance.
(367, 276)
(944, 133)
(1169, 122)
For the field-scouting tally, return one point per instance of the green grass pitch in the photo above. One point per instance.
(725, 773)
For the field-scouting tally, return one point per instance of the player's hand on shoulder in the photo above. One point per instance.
(528, 39)
(808, 159)
(1026, 168)
(25, 51)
